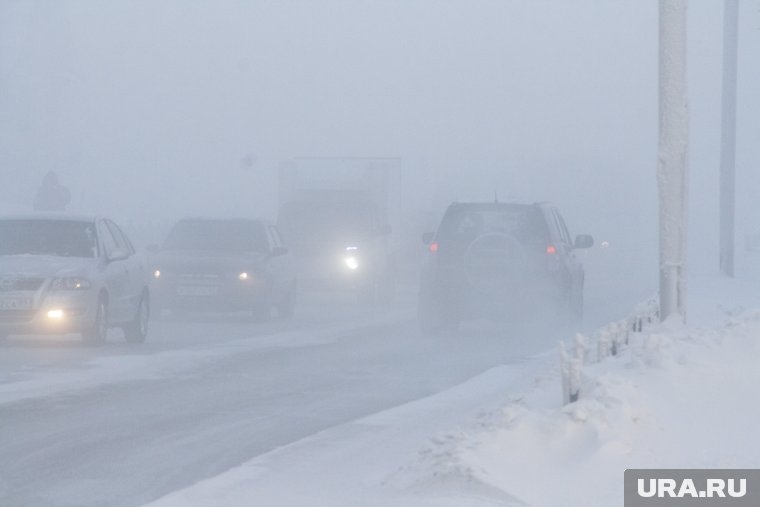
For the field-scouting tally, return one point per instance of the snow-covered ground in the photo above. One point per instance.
(677, 396)
(347, 405)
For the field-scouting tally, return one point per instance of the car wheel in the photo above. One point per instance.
(287, 306)
(96, 334)
(137, 330)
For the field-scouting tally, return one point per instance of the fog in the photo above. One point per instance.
(160, 109)
(154, 111)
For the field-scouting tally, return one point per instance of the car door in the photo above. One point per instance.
(116, 276)
(136, 273)
(572, 262)
(279, 263)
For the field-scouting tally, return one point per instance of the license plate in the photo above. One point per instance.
(15, 303)
(197, 291)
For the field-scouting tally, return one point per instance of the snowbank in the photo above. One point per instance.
(678, 398)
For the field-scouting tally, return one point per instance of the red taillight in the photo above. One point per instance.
(551, 250)
(433, 247)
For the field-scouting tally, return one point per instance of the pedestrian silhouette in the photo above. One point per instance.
(51, 196)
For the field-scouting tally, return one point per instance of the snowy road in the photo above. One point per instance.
(136, 423)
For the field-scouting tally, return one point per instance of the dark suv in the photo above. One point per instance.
(500, 261)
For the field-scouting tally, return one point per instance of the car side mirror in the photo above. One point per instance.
(583, 241)
(153, 248)
(279, 250)
(118, 255)
(427, 238)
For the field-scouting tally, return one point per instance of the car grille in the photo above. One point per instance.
(8, 284)
(198, 278)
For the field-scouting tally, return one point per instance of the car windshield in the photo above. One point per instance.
(59, 238)
(217, 236)
(317, 221)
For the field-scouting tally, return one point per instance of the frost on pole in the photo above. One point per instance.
(672, 158)
(728, 137)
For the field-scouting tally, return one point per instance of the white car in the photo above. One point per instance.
(67, 274)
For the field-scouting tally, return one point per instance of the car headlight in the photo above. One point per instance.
(351, 260)
(71, 283)
(352, 263)
(157, 274)
(243, 276)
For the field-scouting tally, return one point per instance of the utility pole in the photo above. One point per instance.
(672, 158)
(728, 137)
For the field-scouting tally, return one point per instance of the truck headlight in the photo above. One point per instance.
(351, 260)
(71, 283)
(352, 263)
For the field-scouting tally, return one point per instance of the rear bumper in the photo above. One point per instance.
(531, 298)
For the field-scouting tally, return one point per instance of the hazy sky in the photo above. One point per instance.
(147, 108)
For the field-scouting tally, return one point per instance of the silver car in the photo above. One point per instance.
(67, 274)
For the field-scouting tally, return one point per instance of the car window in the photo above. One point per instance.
(561, 228)
(311, 222)
(462, 224)
(218, 236)
(121, 241)
(107, 240)
(59, 238)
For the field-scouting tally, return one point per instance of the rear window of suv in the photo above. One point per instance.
(463, 223)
